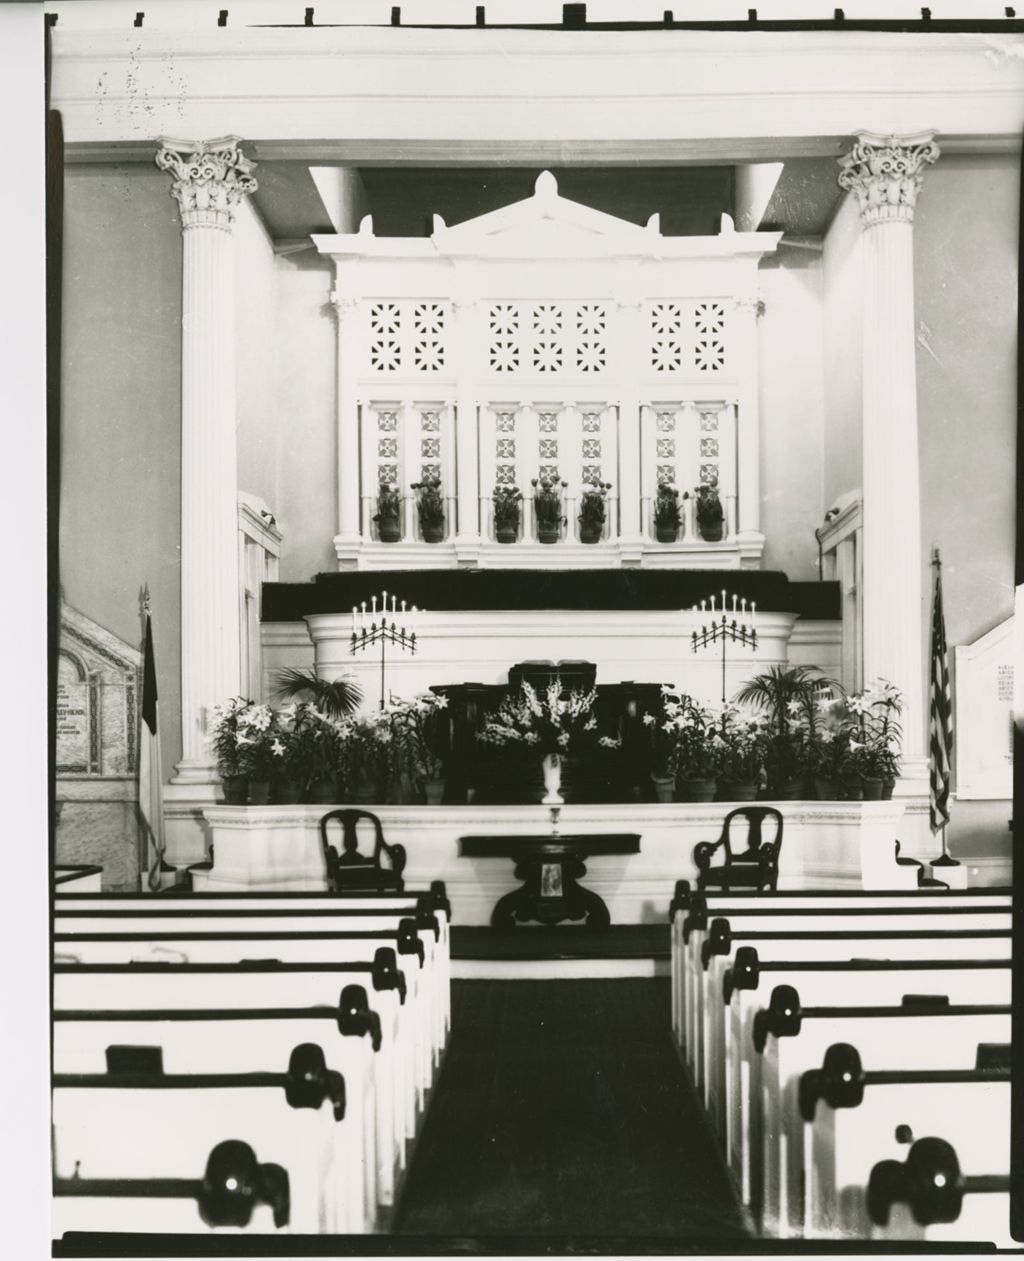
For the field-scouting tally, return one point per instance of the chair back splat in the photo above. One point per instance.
(756, 866)
(352, 869)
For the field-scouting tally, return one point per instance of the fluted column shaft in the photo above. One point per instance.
(886, 174)
(210, 180)
(349, 539)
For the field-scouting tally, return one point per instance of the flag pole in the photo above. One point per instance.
(941, 737)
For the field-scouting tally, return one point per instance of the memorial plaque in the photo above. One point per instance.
(984, 716)
(75, 753)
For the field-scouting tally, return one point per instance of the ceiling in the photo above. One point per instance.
(689, 199)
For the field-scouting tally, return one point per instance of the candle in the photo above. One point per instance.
(374, 608)
(403, 608)
(703, 603)
(353, 620)
(743, 605)
(734, 604)
(723, 599)
(753, 614)
(712, 604)
(394, 604)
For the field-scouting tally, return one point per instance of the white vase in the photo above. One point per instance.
(552, 766)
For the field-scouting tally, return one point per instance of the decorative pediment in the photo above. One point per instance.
(547, 219)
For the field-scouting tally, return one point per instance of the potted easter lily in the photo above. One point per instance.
(246, 740)
(740, 745)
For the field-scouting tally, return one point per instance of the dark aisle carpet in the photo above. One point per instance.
(562, 1110)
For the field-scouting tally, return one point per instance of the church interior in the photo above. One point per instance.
(535, 518)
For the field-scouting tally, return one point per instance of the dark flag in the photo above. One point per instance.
(940, 725)
(151, 780)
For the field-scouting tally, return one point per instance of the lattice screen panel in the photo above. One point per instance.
(407, 338)
(548, 339)
(687, 338)
(405, 443)
(687, 444)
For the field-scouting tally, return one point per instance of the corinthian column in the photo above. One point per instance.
(210, 179)
(885, 174)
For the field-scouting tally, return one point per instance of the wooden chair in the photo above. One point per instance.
(756, 867)
(352, 869)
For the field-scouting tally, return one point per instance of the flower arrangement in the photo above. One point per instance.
(547, 503)
(430, 505)
(593, 508)
(507, 501)
(365, 752)
(246, 739)
(667, 511)
(548, 723)
(684, 736)
(710, 513)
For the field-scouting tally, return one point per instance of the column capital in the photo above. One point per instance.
(210, 179)
(886, 174)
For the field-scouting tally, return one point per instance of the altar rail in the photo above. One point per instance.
(826, 845)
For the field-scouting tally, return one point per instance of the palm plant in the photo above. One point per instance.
(789, 696)
(334, 697)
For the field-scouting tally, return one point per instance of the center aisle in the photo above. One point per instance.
(562, 1110)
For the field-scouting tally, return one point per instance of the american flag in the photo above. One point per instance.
(940, 725)
(150, 772)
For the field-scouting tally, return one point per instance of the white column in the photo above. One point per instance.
(467, 433)
(210, 179)
(744, 343)
(349, 539)
(886, 173)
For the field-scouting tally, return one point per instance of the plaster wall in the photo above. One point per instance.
(255, 355)
(121, 405)
(791, 411)
(965, 275)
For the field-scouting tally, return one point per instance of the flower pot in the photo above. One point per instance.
(432, 533)
(389, 530)
(825, 789)
(887, 786)
(323, 791)
(590, 534)
(433, 790)
(552, 769)
(791, 790)
(365, 792)
(872, 789)
(259, 792)
(735, 790)
(666, 533)
(548, 533)
(507, 534)
(852, 790)
(287, 792)
(236, 789)
(710, 531)
(697, 789)
(664, 787)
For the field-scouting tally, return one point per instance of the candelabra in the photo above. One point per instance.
(724, 631)
(398, 630)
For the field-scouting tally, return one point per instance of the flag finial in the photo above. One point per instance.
(936, 559)
(144, 600)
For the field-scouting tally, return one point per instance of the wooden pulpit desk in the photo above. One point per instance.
(549, 867)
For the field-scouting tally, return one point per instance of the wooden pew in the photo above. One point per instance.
(193, 1038)
(860, 981)
(929, 1197)
(220, 991)
(296, 1115)
(231, 1192)
(300, 946)
(854, 1116)
(791, 1038)
(164, 919)
(692, 912)
(879, 935)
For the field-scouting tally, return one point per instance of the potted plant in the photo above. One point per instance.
(226, 730)
(309, 759)
(388, 517)
(430, 508)
(875, 739)
(740, 745)
(547, 505)
(246, 741)
(710, 514)
(593, 511)
(507, 502)
(363, 755)
(668, 516)
(791, 697)
(334, 697)
(694, 731)
(417, 729)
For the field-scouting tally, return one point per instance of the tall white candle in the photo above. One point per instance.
(363, 609)
(394, 604)
(723, 600)
(712, 604)
(734, 604)
(703, 605)
(753, 615)
(374, 608)
(743, 605)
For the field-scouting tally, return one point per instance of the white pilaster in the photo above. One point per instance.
(746, 426)
(630, 338)
(467, 434)
(885, 173)
(349, 537)
(210, 179)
